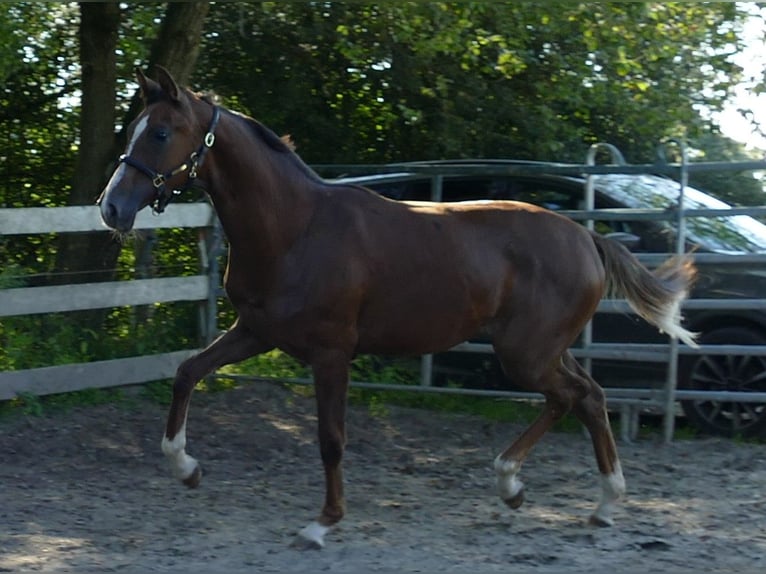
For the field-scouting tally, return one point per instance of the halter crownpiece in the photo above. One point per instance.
(162, 199)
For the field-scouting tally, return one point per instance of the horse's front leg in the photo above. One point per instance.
(331, 384)
(235, 345)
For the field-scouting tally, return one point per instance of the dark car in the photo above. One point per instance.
(716, 280)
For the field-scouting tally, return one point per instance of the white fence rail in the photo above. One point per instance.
(64, 298)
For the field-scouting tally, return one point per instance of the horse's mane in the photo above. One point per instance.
(282, 145)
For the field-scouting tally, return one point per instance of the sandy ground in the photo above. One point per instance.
(89, 491)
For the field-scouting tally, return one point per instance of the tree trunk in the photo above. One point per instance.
(176, 49)
(86, 257)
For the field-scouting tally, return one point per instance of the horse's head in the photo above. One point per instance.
(166, 144)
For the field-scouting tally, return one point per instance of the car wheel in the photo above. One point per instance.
(745, 373)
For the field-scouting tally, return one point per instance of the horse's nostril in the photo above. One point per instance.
(108, 213)
(117, 216)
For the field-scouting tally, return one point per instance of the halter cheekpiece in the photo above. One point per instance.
(161, 198)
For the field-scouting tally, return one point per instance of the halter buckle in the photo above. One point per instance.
(158, 181)
(194, 164)
(209, 139)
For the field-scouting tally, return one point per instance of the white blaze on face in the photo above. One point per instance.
(119, 173)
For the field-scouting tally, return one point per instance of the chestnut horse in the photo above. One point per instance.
(325, 271)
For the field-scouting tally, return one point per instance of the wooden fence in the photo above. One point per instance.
(63, 298)
(205, 288)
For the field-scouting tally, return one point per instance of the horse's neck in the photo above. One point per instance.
(264, 203)
(261, 224)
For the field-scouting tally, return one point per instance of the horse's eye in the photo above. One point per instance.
(161, 134)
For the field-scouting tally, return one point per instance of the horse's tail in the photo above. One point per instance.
(655, 296)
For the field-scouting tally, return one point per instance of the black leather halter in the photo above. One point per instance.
(162, 198)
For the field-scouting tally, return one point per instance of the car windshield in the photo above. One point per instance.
(722, 234)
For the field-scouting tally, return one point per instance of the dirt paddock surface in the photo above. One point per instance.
(89, 491)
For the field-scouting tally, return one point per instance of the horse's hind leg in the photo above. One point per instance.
(591, 411)
(558, 401)
(235, 345)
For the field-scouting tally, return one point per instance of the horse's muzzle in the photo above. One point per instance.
(117, 217)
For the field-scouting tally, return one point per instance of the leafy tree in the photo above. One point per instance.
(736, 188)
(403, 81)
(63, 91)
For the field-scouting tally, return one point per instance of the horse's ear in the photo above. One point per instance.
(149, 88)
(168, 84)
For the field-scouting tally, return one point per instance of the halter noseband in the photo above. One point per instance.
(162, 199)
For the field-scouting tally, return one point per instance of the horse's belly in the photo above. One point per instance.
(417, 330)
(405, 343)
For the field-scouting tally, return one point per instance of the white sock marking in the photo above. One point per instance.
(181, 463)
(314, 533)
(508, 485)
(612, 489)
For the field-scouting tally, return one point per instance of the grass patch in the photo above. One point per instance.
(278, 365)
(28, 404)
(275, 363)
(489, 408)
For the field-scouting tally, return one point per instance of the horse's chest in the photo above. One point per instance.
(268, 314)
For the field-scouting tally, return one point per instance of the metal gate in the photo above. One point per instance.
(629, 401)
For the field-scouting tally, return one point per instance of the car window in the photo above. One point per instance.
(467, 189)
(723, 234)
(559, 194)
(553, 199)
(546, 193)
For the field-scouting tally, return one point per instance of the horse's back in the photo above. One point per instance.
(439, 272)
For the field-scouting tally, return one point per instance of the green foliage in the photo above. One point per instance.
(427, 80)
(27, 404)
(55, 339)
(396, 81)
(35, 64)
(33, 406)
(737, 188)
(159, 392)
(378, 403)
(10, 277)
(42, 340)
(274, 363)
(374, 369)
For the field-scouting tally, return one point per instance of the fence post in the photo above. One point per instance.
(627, 412)
(590, 204)
(427, 361)
(210, 240)
(671, 382)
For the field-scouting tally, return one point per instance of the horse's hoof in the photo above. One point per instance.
(193, 480)
(301, 543)
(516, 500)
(311, 537)
(600, 521)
